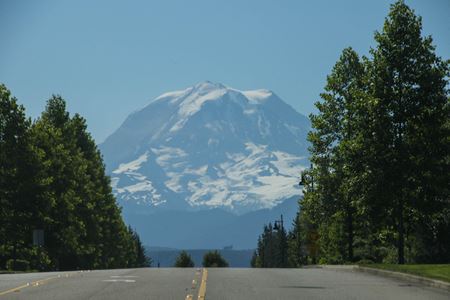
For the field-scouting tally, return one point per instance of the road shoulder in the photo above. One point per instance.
(392, 274)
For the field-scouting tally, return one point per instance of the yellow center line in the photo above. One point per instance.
(28, 284)
(42, 281)
(202, 290)
(198, 273)
(14, 289)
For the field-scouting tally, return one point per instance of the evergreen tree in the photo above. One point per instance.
(213, 259)
(272, 249)
(259, 254)
(143, 260)
(334, 141)
(15, 152)
(184, 260)
(52, 177)
(410, 84)
(65, 228)
(254, 263)
(282, 257)
(380, 153)
(296, 245)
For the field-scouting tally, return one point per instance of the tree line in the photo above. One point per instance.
(378, 189)
(211, 259)
(52, 178)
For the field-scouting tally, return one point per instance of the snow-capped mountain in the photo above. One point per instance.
(208, 146)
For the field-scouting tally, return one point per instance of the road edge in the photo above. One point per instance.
(398, 275)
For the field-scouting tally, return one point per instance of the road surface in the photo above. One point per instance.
(229, 283)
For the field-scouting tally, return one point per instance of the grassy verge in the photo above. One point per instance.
(440, 272)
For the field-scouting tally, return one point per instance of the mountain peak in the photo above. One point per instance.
(208, 146)
(199, 89)
(208, 85)
(208, 90)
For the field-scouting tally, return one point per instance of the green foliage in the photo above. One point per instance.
(18, 265)
(272, 250)
(297, 243)
(184, 260)
(19, 176)
(52, 177)
(255, 261)
(213, 259)
(379, 184)
(139, 257)
(39, 258)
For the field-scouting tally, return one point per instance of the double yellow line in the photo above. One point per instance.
(202, 289)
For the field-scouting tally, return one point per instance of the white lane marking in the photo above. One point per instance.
(119, 280)
(123, 276)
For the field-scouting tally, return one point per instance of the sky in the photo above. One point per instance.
(111, 58)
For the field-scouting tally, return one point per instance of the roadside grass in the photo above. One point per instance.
(440, 272)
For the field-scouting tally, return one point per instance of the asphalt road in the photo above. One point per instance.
(217, 284)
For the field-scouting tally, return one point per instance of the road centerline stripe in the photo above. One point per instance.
(15, 289)
(28, 284)
(202, 289)
(195, 281)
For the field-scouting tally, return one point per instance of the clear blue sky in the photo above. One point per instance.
(110, 58)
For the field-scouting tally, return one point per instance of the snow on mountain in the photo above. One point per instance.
(208, 146)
